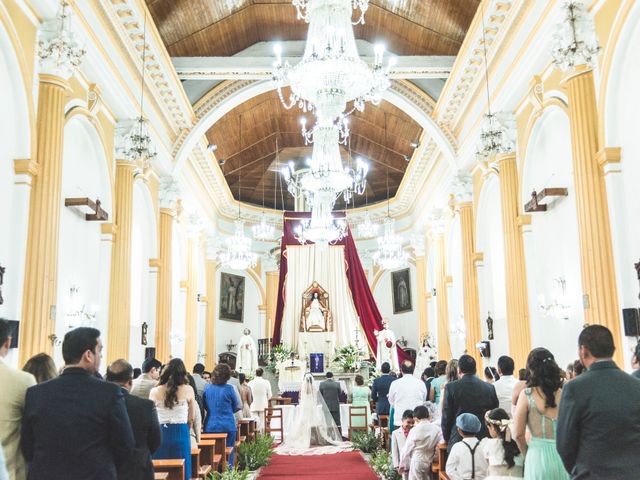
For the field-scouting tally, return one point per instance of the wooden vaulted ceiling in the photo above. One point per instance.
(210, 28)
(247, 136)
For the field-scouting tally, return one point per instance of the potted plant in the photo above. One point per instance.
(254, 455)
(231, 474)
(381, 463)
(367, 442)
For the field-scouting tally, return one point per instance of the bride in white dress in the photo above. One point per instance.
(313, 430)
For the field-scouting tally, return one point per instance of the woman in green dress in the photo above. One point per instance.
(537, 409)
(360, 398)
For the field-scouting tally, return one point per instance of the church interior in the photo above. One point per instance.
(181, 174)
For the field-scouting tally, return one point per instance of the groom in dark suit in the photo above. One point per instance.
(599, 416)
(330, 391)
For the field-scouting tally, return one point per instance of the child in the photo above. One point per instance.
(501, 451)
(399, 437)
(420, 448)
(466, 460)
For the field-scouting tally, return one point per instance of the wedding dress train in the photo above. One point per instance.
(313, 430)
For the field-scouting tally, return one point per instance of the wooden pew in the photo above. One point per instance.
(442, 461)
(160, 476)
(219, 458)
(174, 467)
(198, 468)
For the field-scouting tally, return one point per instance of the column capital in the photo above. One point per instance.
(462, 188)
(435, 220)
(168, 192)
(168, 211)
(418, 244)
(59, 53)
(195, 224)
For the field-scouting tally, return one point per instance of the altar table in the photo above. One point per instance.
(289, 413)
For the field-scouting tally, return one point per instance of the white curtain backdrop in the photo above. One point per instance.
(325, 265)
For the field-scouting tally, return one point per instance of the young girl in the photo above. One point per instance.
(501, 451)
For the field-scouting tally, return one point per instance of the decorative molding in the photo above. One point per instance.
(26, 166)
(609, 159)
(462, 188)
(168, 192)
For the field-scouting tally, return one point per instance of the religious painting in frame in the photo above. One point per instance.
(231, 297)
(401, 286)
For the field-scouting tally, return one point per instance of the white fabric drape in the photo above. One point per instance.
(325, 265)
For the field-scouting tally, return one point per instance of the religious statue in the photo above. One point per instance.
(426, 354)
(490, 326)
(387, 350)
(316, 316)
(145, 329)
(247, 354)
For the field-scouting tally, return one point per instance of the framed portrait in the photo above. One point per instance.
(401, 285)
(231, 297)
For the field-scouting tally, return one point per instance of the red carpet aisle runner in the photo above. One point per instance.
(347, 465)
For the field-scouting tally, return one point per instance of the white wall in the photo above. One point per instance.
(552, 246)
(455, 293)
(80, 262)
(621, 130)
(228, 330)
(491, 280)
(178, 304)
(403, 324)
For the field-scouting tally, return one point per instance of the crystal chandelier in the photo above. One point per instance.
(575, 41)
(331, 73)
(390, 253)
(263, 231)
(367, 228)
(237, 254)
(322, 228)
(62, 50)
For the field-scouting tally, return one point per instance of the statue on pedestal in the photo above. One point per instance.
(316, 316)
(247, 354)
(387, 350)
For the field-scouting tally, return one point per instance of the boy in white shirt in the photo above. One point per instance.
(466, 460)
(422, 441)
(399, 437)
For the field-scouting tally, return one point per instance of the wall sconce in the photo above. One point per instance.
(77, 313)
(558, 308)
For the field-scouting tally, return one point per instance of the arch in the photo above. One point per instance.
(552, 235)
(225, 97)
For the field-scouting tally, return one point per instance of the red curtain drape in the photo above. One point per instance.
(364, 303)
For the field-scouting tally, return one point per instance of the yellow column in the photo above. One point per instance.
(444, 346)
(191, 316)
(273, 279)
(120, 285)
(210, 330)
(164, 296)
(41, 268)
(600, 296)
(421, 278)
(470, 280)
(515, 273)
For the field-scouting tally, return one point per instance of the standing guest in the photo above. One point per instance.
(42, 367)
(406, 393)
(14, 387)
(467, 395)
(635, 361)
(427, 377)
(195, 429)
(76, 427)
(221, 403)
(245, 395)
(451, 375)
(198, 370)
(537, 410)
(144, 422)
(176, 404)
(137, 372)
(500, 451)
(261, 392)
(380, 390)
(360, 398)
(420, 447)
(505, 385)
(206, 376)
(599, 417)
(330, 391)
(235, 383)
(466, 459)
(491, 375)
(438, 381)
(149, 378)
(399, 437)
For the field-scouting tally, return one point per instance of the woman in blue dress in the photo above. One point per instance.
(220, 403)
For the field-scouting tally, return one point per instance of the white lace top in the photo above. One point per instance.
(178, 414)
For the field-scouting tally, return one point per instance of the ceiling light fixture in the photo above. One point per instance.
(263, 231)
(390, 253)
(575, 41)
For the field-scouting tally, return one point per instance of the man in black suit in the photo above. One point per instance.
(144, 421)
(330, 391)
(598, 428)
(75, 427)
(380, 390)
(469, 394)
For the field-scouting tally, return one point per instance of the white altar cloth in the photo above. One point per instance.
(289, 413)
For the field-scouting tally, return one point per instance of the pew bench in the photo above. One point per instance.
(174, 468)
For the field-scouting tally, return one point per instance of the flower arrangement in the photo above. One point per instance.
(279, 354)
(348, 359)
(381, 464)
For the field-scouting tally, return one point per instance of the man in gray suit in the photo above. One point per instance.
(599, 417)
(330, 391)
